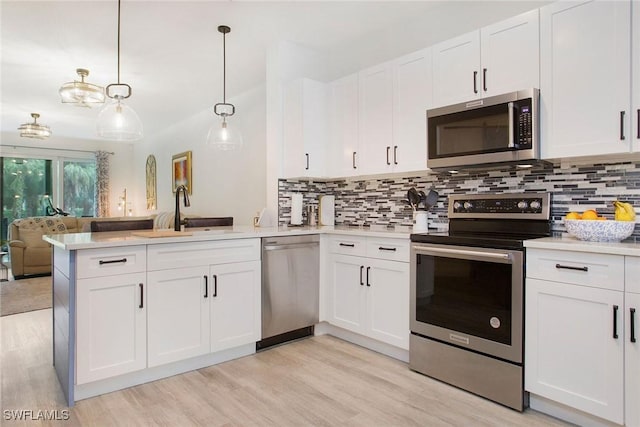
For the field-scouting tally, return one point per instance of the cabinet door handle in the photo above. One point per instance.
(632, 329)
(349, 245)
(307, 156)
(141, 295)
(570, 267)
(615, 322)
(215, 285)
(388, 162)
(638, 124)
(622, 138)
(382, 248)
(206, 286)
(484, 79)
(112, 261)
(353, 160)
(395, 154)
(368, 268)
(475, 84)
(361, 282)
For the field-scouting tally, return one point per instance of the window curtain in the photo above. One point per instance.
(102, 183)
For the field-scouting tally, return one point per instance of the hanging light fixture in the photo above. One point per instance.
(221, 136)
(35, 129)
(81, 93)
(116, 120)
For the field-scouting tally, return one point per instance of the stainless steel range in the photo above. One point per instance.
(467, 294)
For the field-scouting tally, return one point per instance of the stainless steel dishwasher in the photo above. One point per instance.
(290, 288)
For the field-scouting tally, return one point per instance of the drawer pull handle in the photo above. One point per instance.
(615, 322)
(632, 329)
(348, 245)
(141, 295)
(113, 261)
(382, 248)
(569, 267)
(206, 286)
(368, 268)
(361, 282)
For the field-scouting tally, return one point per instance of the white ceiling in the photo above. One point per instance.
(171, 51)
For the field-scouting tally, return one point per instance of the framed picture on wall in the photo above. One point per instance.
(181, 171)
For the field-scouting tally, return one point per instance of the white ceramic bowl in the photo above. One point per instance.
(599, 231)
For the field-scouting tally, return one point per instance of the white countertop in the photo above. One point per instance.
(568, 243)
(74, 241)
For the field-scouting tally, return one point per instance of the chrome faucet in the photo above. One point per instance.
(177, 223)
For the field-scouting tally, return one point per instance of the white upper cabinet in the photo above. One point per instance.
(585, 78)
(499, 58)
(304, 128)
(393, 99)
(412, 96)
(345, 157)
(635, 84)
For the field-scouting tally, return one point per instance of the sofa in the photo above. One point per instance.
(30, 255)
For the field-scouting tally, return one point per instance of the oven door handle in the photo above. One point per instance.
(464, 252)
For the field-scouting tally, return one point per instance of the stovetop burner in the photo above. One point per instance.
(501, 221)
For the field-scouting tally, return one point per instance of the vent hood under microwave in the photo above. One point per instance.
(501, 129)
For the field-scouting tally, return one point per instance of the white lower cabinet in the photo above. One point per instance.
(111, 326)
(178, 314)
(369, 296)
(632, 341)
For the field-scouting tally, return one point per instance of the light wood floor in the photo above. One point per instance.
(320, 381)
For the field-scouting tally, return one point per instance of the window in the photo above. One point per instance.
(79, 187)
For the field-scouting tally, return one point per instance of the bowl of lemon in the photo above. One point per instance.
(592, 227)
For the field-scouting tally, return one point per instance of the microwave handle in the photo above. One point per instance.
(511, 109)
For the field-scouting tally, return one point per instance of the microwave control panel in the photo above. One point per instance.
(524, 123)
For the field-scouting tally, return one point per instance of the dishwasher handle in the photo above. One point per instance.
(272, 247)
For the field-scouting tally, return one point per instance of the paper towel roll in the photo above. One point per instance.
(296, 209)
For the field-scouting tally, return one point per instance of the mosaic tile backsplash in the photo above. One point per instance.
(383, 201)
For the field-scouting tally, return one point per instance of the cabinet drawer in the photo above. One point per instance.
(348, 245)
(632, 273)
(110, 261)
(389, 249)
(165, 256)
(579, 268)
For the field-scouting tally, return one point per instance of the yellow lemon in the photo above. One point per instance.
(590, 214)
(573, 215)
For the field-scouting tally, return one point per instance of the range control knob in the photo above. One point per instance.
(522, 204)
(468, 205)
(535, 204)
(456, 205)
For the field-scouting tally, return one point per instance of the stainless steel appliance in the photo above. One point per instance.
(492, 130)
(467, 294)
(290, 288)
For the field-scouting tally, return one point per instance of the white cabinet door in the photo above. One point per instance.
(346, 293)
(456, 76)
(510, 55)
(412, 96)
(632, 358)
(375, 118)
(585, 78)
(571, 354)
(111, 326)
(635, 72)
(387, 286)
(345, 158)
(235, 304)
(304, 128)
(178, 314)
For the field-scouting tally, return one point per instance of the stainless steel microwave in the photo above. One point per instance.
(493, 130)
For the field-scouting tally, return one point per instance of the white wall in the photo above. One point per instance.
(121, 162)
(225, 183)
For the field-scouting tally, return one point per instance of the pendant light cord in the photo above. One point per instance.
(224, 67)
(118, 41)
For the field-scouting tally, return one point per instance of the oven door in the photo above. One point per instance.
(469, 297)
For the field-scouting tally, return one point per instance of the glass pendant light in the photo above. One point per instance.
(221, 135)
(118, 121)
(35, 129)
(81, 93)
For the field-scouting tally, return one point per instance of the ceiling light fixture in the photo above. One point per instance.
(221, 136)
(81, 93)
(35, 129)
(116, 120)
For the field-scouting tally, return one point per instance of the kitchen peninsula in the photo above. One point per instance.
(130, 308)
